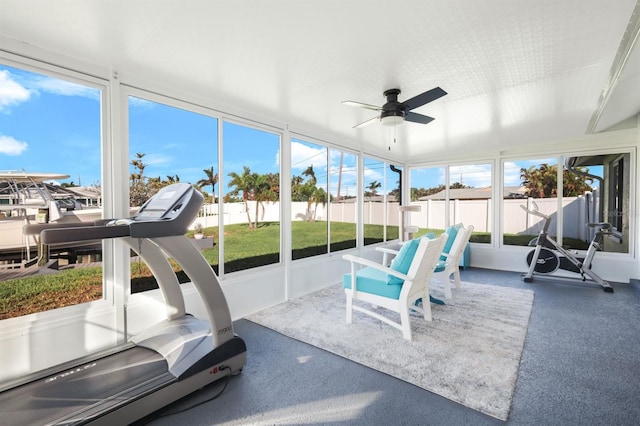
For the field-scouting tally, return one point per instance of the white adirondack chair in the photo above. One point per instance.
(387, 287)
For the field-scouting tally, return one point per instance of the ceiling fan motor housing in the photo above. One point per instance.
(392, 112)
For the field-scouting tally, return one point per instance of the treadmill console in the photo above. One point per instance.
(168, 212)
(165, 204)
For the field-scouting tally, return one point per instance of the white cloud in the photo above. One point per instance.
(20, 86)
(512, 169)
(371, 175)
(157, 159)
(303, 156)
(11, 92)
(64, 88)
(475, 175)
(139, 103)
(10, 146)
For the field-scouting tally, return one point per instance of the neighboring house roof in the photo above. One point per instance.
(475, 193)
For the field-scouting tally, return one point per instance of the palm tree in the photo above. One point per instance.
(242, 184)
(140, 189)
(262, 191)
(319, 196)
(309, 192)
(542, 181)
(255, 187)
(311, 174)
(296, 188)
(139, 165)
(575, 184)
(211, 179)
(373, 186)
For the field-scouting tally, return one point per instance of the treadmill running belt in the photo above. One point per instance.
(60, 395)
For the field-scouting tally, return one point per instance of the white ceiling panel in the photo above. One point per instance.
(516, 72)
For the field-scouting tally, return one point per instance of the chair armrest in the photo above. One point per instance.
(386, 252)
(366, 262)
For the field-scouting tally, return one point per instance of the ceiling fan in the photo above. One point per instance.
(393, 112)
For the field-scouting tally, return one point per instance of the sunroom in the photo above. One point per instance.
(511, 104)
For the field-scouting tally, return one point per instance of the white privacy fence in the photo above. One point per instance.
(577, 212)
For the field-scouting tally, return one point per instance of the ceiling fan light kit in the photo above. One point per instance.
(391, 119)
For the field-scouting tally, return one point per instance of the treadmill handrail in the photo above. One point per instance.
(37, 228)
(83, 233)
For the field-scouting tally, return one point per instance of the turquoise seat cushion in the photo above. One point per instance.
(452, 231)
(374, 281)
(402, 262)
(440, 266)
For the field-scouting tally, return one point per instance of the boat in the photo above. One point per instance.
(27, 198)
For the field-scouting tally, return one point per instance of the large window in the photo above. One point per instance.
(309, 199)
(379, 192)
(168, 144)
(471, 199)
(596, 189)
(453, 194)
(580, 189)
(532, 184)
(324, 202)
(251, 193)
(50, 155)
(428, 195)
(343, 212)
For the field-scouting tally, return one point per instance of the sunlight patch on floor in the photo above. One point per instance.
(321, 411)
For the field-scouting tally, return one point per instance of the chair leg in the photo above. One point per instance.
(405, 323)
(447, 287)
(456, 277)
(349, 308)
(426, 306)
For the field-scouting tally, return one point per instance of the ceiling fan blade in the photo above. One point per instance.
(366, 123)
(361, 105)
(417, 118)
(423, 98)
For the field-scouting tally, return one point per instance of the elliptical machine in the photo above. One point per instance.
(549, 256)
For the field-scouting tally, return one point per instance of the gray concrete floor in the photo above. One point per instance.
(580, 366)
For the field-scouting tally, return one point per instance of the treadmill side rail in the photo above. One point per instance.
(180, 341)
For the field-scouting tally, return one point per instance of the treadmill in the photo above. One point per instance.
(172, 359)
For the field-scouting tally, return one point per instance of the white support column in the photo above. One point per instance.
(115, 195)
(559, 205)
(221, 204)
(360, 201)
(447, 207)
(286, 244)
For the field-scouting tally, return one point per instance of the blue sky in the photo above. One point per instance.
(49, 125)
(46, 125)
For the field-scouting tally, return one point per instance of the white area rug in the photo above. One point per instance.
(469, 353)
